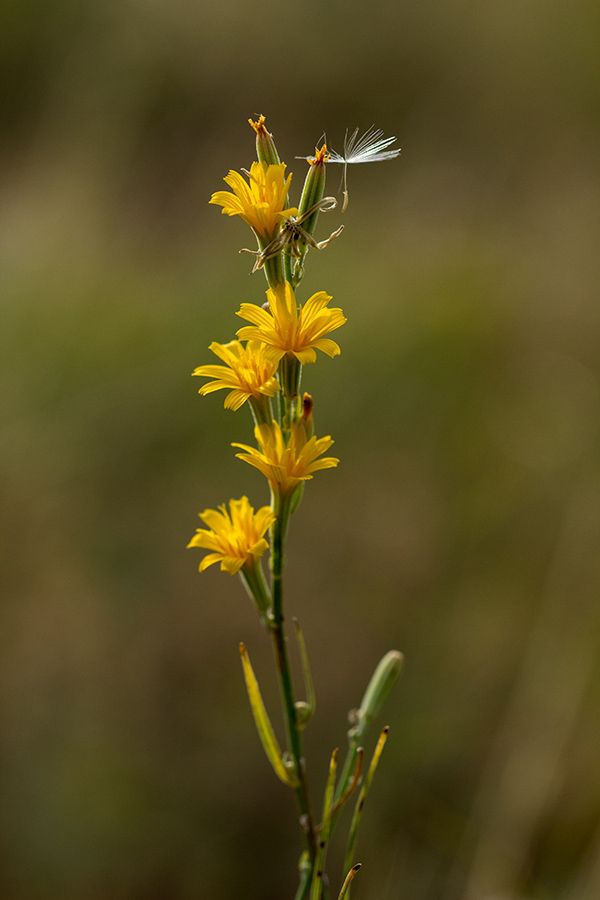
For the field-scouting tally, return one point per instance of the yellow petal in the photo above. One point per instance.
(208, 560)
(305, 356)
(327, 346)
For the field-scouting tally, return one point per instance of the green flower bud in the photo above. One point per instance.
(314, 189)
(379, 688)
(266, 150)
(303, 713)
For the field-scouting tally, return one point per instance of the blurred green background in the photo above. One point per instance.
(462, 525)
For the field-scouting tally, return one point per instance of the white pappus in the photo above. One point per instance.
(372, 146)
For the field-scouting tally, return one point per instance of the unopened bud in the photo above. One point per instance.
(266, 150)
(303, 713)
(379, 688)
(314, 188)
(307, 418)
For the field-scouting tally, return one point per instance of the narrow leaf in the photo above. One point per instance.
(329, 795)
(263, 723)
(353, 784)
(305, 871)
(348, 880)
(308, 708)
(360, 803)
(317, 885)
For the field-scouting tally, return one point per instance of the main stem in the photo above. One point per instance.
(294, 737)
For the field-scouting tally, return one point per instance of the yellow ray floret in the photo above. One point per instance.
(247, 373)
(286, 465)
(287, 329)
(260, 201)
(235, 537)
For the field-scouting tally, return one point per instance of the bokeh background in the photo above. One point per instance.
(462, 525)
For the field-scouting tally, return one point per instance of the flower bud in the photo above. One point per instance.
(379, 688)
(314, 188)
(303, 713)
(266, 150)
(307, 418)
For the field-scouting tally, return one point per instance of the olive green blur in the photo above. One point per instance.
(462, 525)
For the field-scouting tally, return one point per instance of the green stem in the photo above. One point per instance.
(273, 267)
(288, 264)
(253, 578)
(349, 767)
(317, 886)
(294, 738)
(290, 373)
(274, 271)
(304, 886)
(262, 411)
(354, 740)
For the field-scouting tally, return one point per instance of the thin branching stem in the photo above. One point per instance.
(285, 679)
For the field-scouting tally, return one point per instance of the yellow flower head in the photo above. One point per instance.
(235, 537)
(247, 373)
(261, 201)
(286, 465)
(287, 329)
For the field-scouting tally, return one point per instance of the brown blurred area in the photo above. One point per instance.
(462, 525)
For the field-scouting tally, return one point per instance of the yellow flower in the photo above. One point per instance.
(287, 329)
(235, 537)
(287, 465)
(261, 201)
(247, 373)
